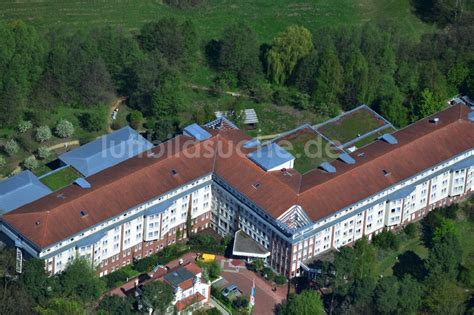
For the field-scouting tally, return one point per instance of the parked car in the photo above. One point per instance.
(229, 290)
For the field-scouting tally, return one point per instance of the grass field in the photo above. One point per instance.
(61, 178)
(267, 17)
(350, 126)
(309, 149)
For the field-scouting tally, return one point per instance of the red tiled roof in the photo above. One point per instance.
(190, 300)
(119, 188)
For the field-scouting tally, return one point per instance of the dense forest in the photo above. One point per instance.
(325, 72)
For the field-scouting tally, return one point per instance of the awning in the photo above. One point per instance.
(245, 246)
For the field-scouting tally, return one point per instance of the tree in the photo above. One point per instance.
(58, 306)
(410, 295)
(159, 295)
(92, 122)
(391, 107)
(386, 240)
(386, 293)
(3, 162)
(307, 302)
(43, 152)
(11, 147)
(64, 129)
(36, 281)
(259, 264)
(328, 84)
(30, 163)
(176, 42)
(43, 133)
(287, 49)
(113, 304)
(445, 257)
(136, 119)
(24, 126)
(213, 270)
(239, 54)
(427, 104)
(444, 296)
(80, 280)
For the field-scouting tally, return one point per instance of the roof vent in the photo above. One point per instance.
(81, 182)
(389, 138)
(435, 120)
(470, 116)
(37, 222)
(174, 172)
(328, 167)
(346, 158)
(256, 185)
(362, 154)
(61, 196)
(386, 173)
(83, 213)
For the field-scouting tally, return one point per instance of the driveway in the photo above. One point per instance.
(265, 299)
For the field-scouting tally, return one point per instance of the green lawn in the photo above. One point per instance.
(373, 137)
(350, 126)
(267, 17)
(61, 178)
(309, 149)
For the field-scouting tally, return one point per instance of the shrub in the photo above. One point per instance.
(43, 152)
(26, 142)
(386, 240)
(64, 129)
(280, 279)
(3, 162)
(136, 119)
(30, 163)
(43, 134)
(240, 302)
(24, 126)
(92, 121)
(11, 147)
(146, 264)
(411, 230)
(268, 273)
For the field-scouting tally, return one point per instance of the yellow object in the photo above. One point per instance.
(207, 258)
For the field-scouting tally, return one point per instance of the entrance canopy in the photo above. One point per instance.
(245, 246)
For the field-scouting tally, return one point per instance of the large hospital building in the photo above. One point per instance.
(128, 206)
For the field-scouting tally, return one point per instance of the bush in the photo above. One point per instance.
(411, 230)
(119, 277)
(268, 273)
(146, 264)
(43, 152)
(24, 126)
(92, 122)
(26, 142)
(386, 240)
(64, 129)
(30, 163)
(280, 279)
(3, 162)
(11, 147)
(135, 118)
(240, 302)
(43, 134)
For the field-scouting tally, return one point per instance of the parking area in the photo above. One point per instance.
(266, 299)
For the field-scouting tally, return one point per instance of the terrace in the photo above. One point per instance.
(309, 149)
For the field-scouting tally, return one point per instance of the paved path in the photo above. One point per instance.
(214, 303)
(265, 299)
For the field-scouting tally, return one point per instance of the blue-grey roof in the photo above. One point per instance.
(196, 132)
(177, 277)
(252, 143)
(159, 208)
(20, 190)
(402, 193)
(91, 239)
(106, 151)
(389, 138)
(470, 116)
(463, 164)
(270, 156)
(328, 167)
(346, 158)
